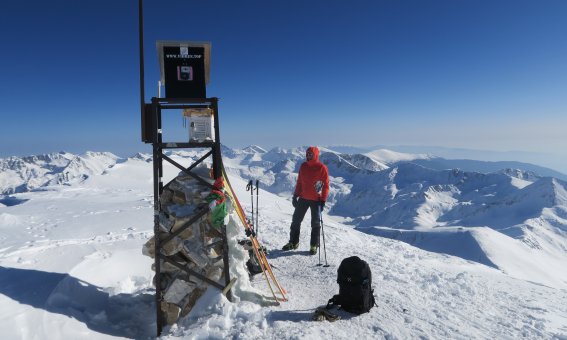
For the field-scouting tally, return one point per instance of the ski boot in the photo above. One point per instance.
(290, 246)
(313, 250)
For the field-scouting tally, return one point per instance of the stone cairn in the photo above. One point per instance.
(199, 247)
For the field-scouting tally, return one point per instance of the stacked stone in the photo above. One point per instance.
(199, 247)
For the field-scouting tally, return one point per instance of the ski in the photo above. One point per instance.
(258, 250)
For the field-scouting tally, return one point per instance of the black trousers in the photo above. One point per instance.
(299, 214)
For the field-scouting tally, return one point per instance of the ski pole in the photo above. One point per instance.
(250, 187)
(319, 246)
(323, 231)
(319, 265)
(257, 205)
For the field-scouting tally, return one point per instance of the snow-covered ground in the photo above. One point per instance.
(71, 263)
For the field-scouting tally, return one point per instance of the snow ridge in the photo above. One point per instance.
(22, 174)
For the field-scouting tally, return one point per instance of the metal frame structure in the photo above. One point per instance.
(151, 115)
(152, 132)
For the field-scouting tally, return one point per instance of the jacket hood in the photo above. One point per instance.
(315, 152)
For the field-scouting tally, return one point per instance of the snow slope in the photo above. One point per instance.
(383, 190)
(71, 263)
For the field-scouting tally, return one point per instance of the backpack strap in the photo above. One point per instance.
(334, 301)
(373, 298)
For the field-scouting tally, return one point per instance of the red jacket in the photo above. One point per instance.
(310, 173)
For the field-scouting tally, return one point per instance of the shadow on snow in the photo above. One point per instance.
(121, 315)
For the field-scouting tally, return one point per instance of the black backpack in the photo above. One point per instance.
(355, 286)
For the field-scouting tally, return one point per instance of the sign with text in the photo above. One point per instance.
(184, 69)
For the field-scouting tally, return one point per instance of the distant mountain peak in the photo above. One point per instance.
(547, 190)
(520, 174)
(146, 157)
(21, 174)
(254, 149)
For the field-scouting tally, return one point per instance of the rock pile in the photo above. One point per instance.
(199, 247)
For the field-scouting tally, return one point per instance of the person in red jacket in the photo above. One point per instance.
(311, 192)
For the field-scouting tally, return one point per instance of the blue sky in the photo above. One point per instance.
(488, 75)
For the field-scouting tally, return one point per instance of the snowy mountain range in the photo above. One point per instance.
(448, 211)
(466, 159)
(386, 193)
(508, 226)
(22, 174)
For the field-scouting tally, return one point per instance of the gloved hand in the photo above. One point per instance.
(322, 205)
(294, 201)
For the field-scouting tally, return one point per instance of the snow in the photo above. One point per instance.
(28, 173)
(389, 156)
(71, 262)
